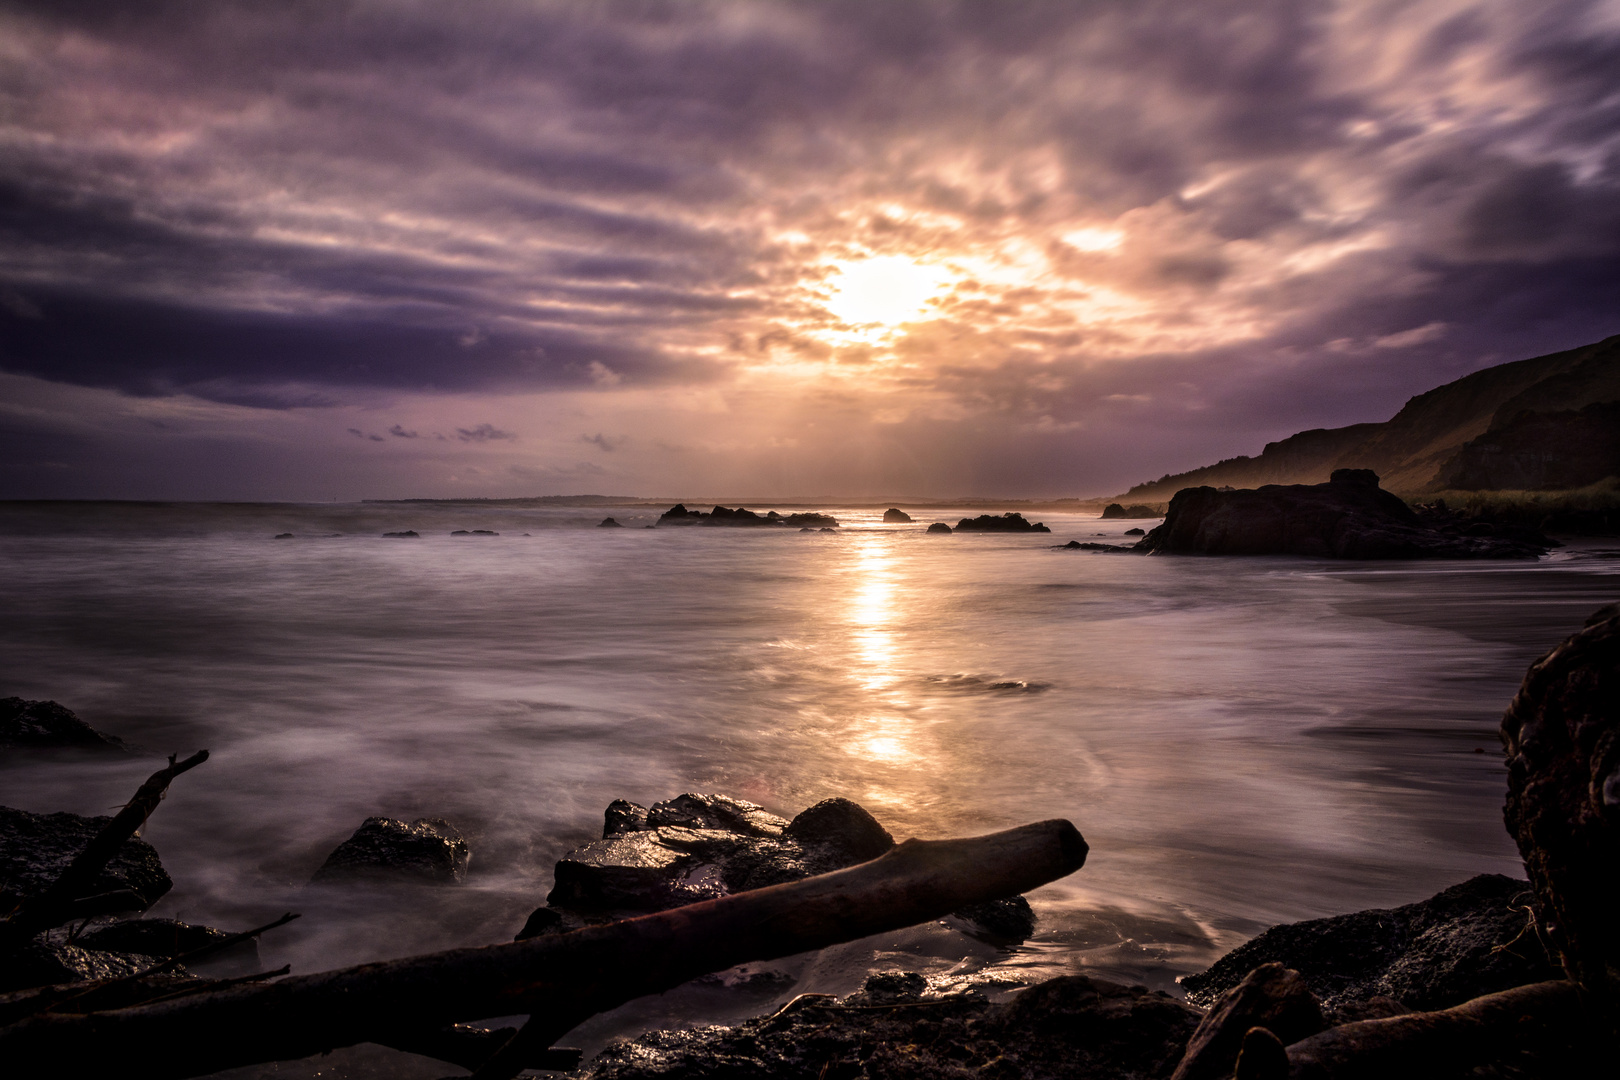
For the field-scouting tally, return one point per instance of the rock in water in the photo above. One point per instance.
(45, 723)
(608, 523)
(1471, 939)
(1349, 517)
(697, 847)
(1008, 522)
(891, 516)
(939, 527)
(36, 848)
(167, 938)
(45, 961)
(428, 849)
(1562, 736)
(895, 1029)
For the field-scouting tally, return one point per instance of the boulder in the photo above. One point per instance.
(939, 527)
(36, 848)
(46, 961)
(426, 850)
(168, 938)
(1349, 517)
(1135, 532)
(1471, 939)
(895, 1027)
(1272, 998)
(697, 847)
(608, 523)
(1008, 522)
(891, 516)
(45, 723)
(1562, 736)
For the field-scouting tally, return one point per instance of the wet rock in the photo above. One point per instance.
(1135, 510)
(939, 527)
(168, 938)
(1350, 517)
(1562, 736)
(608, 523)
(47, 961)
(1474, 938)
(408, 533)
(45, 723)
(1270, 997)
(427, 849)
(1135, 532)
(1008, 522)
(891, 516)
(1091, 545)
(697, 847)
(36, 848)
(895, 1029)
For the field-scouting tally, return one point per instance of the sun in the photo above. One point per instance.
(885, 290)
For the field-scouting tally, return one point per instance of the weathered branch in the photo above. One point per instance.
(587, 971)
(58, 903)
(1541, 1016)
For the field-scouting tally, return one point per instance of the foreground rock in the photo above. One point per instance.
(1474, 938)
(169, 938)
(36, 848)
(1349, 517)
(1008, 522)
(698, 847)
(896, 1029)
(426, 850)
(720, 515)
(47, 961)
(1562, 735)
(45, 723)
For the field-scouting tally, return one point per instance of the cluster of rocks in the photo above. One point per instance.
(720, 515)
(698, 847)
(1135, 510)
(37, 724)
(1349, 517)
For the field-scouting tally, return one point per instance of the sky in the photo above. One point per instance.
(342, 250)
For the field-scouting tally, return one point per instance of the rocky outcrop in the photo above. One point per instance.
(891, 516)
(1562, 737)
(1091, 545)
(608, 523)
(426, 850)
(698, 847)
(1135, 510)
(406, 534)
(939, 528)
(1349, 517)
(896, 1028)
(46, 961)
(720, 515)
(36, 848)
(1008, 522)
(1537, 451)
(1473, 938)
(45, 723)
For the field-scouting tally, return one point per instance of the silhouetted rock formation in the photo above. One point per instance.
(1008, 522)
(608, 523)
(36, 848)
(697, 847)
(404, 535)
(45, 723)
(892, 516)
(1349, 517)
(427, 849)
(1562, 735)
(720, 515)
(1135, 510)
(895, 1027)
(1471, 939)
(1535, 451)
(939, 527)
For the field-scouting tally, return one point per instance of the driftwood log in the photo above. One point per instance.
(558, 980)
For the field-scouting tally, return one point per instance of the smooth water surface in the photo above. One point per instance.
(1241, 741)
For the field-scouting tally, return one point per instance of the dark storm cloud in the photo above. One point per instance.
(1326, 207)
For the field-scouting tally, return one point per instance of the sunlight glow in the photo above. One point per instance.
(886, 290)
(1094, 239)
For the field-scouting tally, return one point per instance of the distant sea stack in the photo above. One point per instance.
(741, 518)
(892, 516)
(1523, 425)
(1009, 522)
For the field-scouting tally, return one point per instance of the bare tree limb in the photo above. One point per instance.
(589, 970)
(58, 902)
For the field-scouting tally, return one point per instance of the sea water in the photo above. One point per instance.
(1241, 741)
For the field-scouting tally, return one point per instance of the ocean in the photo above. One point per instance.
(1241, 741)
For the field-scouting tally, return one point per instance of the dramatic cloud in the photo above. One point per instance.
(818, 247)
